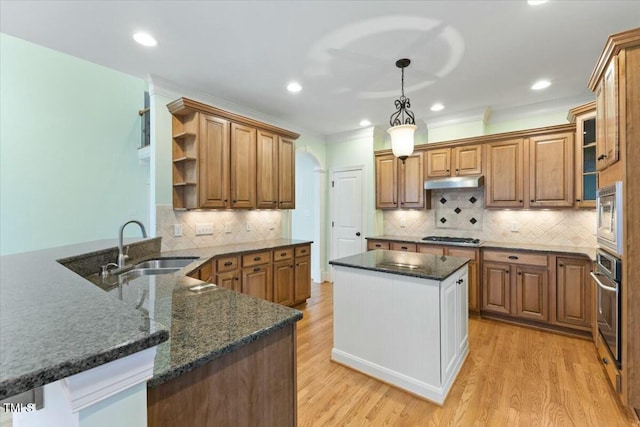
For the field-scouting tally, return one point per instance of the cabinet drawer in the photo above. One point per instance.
(515, 258)
(256, 258)
(282, 254)
(228, 263)
(464, 253)
(303, 250)
(406, 247)
(431, 249)
(372, 245)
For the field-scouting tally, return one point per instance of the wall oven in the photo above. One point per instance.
(609, 217)
(608, 280)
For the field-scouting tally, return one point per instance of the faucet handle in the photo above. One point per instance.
(105, 269)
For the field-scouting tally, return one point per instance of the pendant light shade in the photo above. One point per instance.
(403, 125)
(402, 140)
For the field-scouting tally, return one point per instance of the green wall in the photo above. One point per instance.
(69, 133)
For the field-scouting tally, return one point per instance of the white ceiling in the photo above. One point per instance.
(468, 55)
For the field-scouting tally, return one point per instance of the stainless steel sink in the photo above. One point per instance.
(167, 262)
(137, 272)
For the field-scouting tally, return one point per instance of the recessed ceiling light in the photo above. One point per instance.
(536, 2)
(294, 87)
(437, 107)
(145, 39)
(365, 122)
(541, 84)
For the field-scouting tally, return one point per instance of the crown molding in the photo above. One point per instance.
(557, 106)
(363, 133)
(173, 90)
(474, 115)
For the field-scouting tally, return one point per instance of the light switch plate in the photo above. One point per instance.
(248, 226)
(227, 228)
(204, 228)
(177, 230)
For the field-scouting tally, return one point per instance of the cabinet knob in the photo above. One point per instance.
(234, 201)
(256, 258)
(228, 263)
(605, 361)
(225, 200)
(283, 254)
(506, 271)
(519, 273)
(235, 278)
(513, 257)
(358, 234)
(532, 201)
(256, 269)
(578, 200)
(602, 157)
(560, 265)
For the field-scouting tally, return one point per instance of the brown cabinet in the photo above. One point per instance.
(551, 170)
(283, 281)
(400, 185)
(302, 280)
(496, 287)
(376, 244)
(607, 142)
(505, 174)
(243, 166)
(532, 293)
(222, 160)
(286, 173)
(548, 169)
(586, 175)
(456, 161)
(405, 247)
(257, 281)
(266, 170)
(573, 292)
(516, 284)
(229, 280)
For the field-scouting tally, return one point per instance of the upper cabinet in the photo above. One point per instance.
(400, 185)
(504, 184)
(607, 142)
(586, 177)
(222, 160)
(551, 170)
(457, 161)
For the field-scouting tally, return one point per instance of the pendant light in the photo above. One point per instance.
(403, 124)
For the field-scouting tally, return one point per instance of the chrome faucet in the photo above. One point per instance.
(122, 257)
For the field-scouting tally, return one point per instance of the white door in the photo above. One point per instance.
(347, 213)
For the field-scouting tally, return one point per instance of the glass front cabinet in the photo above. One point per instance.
(586, 181)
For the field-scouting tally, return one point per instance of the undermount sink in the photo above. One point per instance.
(137, 272)
(165, 263)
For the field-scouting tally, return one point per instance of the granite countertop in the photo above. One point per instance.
(426, 266)
(55, 323)
(535, 247)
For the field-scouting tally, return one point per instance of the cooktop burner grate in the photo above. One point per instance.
(446, 239)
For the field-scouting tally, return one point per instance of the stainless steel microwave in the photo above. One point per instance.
(609, 217)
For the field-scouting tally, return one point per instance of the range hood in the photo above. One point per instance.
(473, 181)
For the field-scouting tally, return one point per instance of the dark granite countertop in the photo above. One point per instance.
(55, 323)
(412, 264)
(535, 247)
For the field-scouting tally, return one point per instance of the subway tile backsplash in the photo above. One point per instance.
(229, 227)
(454, 213)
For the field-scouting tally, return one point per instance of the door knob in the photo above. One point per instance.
(358, 234)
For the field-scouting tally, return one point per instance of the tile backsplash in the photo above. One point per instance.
(228, 227)
(566, 227)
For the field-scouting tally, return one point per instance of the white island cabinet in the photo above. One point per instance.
(402, 318)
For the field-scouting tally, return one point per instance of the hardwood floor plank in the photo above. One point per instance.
(513, 376)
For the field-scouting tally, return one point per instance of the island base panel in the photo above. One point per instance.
(254, 385)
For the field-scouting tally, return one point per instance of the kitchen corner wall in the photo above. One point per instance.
(229, 227)
(566, 227)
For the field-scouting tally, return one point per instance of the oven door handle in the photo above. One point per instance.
(602, 285)
(594, 276)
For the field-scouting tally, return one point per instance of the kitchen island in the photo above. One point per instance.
(402, 318)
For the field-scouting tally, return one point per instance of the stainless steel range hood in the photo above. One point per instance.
(473, 181)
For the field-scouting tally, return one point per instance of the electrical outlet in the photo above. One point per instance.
(177, 230)
(403, 222)
(272, 226)
(515, 227)
(248, 226)
(204, 228)
(227, 228)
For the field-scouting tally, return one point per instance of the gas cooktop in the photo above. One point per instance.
(467, 241)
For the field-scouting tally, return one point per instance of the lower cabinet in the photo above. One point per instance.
(283, 280)
(281, 275)
(257, 281)
(532, 293)
(302, 279)
(574, 294)
(496, 288)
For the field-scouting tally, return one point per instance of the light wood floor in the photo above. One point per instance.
(513, 376)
